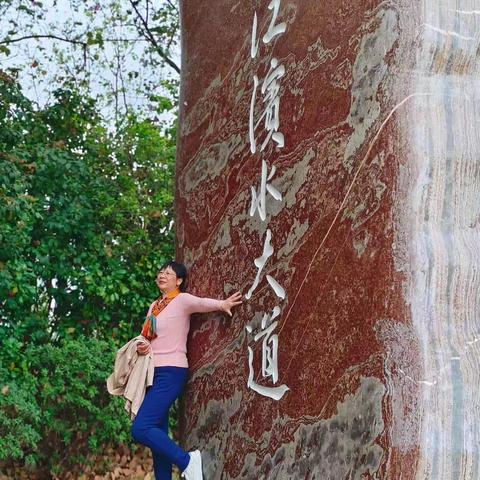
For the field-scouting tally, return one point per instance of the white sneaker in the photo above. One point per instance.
(194, 467)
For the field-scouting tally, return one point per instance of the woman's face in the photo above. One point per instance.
(167, 280)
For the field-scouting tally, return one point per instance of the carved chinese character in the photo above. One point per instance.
(270, 91)
(259, 197)
(273, 29)
(261, 261)
(269, 357)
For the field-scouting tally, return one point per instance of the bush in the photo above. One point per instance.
(85, 221)
(54, 405)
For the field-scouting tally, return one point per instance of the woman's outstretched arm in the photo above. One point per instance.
(204, 305)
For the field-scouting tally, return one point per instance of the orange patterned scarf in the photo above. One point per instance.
(149, 329)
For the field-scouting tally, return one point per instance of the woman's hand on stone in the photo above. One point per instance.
(143, 348)
(232, 301)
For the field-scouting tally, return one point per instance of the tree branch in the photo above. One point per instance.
(54, 37)
(75, 42)
(170, 41)
(152, 39)
(172, 5)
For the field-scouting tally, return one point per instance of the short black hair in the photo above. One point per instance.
(180, 271)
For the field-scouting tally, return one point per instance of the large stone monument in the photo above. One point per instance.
(329, 168)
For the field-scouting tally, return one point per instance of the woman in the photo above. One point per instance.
(167, 325)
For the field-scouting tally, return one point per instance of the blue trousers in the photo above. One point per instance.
(150, 426)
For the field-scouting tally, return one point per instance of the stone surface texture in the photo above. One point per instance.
(375, 241)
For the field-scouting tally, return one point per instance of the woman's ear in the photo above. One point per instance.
(179, 281)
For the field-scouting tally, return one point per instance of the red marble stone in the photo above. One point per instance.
(348, 349)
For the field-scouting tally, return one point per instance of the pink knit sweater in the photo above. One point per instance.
(173, 323)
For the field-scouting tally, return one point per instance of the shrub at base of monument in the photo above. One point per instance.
(115, 464)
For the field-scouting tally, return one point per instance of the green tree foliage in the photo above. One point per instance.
(86, 194)
(85, 222)
(54, 407)
(86, 216)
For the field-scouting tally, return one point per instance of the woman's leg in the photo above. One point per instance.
(147, 429)
(162, 467)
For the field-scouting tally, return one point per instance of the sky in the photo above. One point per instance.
(37, 79)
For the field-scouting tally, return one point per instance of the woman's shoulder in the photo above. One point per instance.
(188, 299)
(185, 296)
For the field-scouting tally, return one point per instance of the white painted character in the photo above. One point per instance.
(254, 47)
(260, 264)
(270, 91)
(259, 196)
(269, 357)
(273, 29)
(261, 261)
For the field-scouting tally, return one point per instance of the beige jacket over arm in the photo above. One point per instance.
(131, 376)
